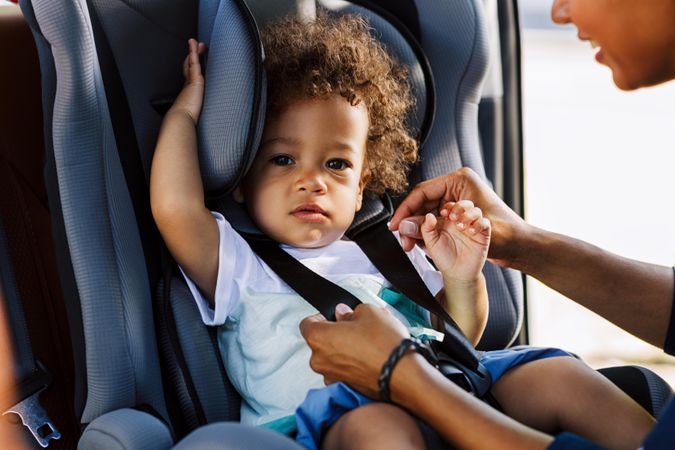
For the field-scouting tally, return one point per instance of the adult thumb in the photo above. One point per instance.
(307, 323)
(343, 312)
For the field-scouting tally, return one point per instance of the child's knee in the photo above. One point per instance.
(377, 425)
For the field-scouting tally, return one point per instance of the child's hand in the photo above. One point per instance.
(457, 241)
(190, 98)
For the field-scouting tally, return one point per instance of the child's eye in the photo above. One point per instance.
(282, 160)
(337, 164)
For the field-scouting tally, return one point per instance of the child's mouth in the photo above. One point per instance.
(310, 213)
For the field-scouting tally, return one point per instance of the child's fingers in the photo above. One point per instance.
(191, 67)
(429, 224)
(480, 227)
(445, 211)
(457, 209)
(428, 229)
(194, 55)
(469, 216)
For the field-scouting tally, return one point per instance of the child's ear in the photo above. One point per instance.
(362, 185)
(238, 195)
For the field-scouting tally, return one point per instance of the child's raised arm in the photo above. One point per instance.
(176, 192)
(458, 244)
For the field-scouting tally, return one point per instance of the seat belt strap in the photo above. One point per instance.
(31, 376)
(384, 251)
(316, 290)
(325, 295)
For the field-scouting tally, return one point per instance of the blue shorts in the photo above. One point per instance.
(323, 407)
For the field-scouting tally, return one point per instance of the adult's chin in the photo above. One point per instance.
(625, 80)
(635, 76)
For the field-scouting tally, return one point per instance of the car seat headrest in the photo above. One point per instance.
(405, 48)
(230, 124)
(232, 117)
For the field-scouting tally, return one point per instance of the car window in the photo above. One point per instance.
(598, 166)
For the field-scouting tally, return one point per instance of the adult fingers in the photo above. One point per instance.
(424, 198)
(410, 227)
(343, 312)
(309, 323)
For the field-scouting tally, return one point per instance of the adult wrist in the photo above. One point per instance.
(407, 346)
(523, 249)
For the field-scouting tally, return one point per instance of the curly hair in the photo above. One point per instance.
(336, 54)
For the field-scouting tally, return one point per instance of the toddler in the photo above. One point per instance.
(335, 132)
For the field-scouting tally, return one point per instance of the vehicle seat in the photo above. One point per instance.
(110, 69)
(27, 257)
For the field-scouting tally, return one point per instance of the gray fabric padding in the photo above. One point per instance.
(229, 99)
(398, 46)
(206, 17)
(505, 290)
(149, 67)
(126, 429)
(217, 395)
(234, 436)
(454, 37)
(106, 254)
(455, 40)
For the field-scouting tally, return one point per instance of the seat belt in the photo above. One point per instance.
(319, 292)
(384, 251)
(31, 376)
(459, 360)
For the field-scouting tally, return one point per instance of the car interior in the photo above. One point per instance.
(109, 347)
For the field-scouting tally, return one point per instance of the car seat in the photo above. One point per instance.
(29, 279)
(151, 373)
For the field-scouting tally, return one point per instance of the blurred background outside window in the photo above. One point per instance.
(599, 166)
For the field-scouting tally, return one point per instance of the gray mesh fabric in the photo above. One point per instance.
(105, 248)
(231, 108)
(230, 436)
(149, 66)
(454, 38)
(217, 395)
(399, 47)
(126, 429)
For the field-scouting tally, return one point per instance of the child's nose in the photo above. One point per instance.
(311, 181)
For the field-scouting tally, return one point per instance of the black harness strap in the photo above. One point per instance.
(458, 360)
(384, 251)
(319, 292)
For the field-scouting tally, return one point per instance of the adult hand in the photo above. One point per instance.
(354, 348)
(464, 184)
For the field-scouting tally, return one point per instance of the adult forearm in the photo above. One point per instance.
(634, 295)
(462, 420)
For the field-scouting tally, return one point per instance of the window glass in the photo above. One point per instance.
(599, 166)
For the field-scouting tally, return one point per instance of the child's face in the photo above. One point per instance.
(636, 37)
(306, 182)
